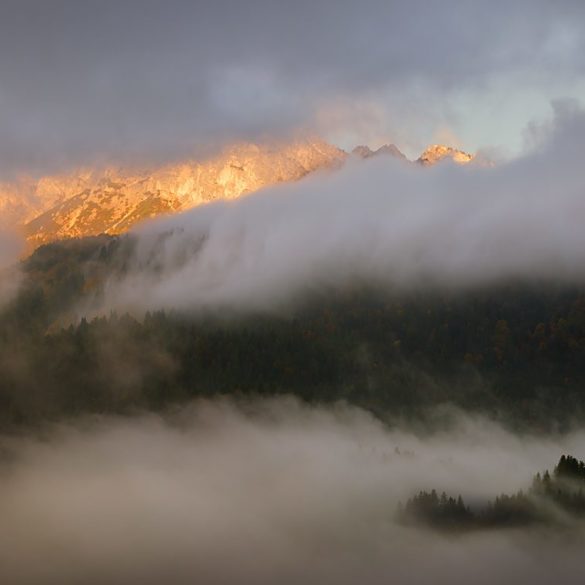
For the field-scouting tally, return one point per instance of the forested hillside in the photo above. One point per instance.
(554, 499)
(516, 352)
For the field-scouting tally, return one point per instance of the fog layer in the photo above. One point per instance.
(381, 221)
(271, 493)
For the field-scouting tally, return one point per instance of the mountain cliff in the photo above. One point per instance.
(111, 201)
(438, 152)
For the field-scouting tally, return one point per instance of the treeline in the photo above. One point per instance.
(552, 499)
(515, 351)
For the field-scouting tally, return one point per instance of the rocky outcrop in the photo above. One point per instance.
(114, 200)
(438, 152)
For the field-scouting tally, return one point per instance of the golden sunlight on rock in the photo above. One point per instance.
(90, 202)
(438, 152)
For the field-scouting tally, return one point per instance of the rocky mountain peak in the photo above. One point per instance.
(438, 152)
(112, 200)
(90, 202)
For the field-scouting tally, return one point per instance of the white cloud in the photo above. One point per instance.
(381, 221)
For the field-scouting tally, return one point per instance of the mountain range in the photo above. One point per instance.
(112, 200)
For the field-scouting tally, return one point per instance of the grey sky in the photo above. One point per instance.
(144, 81)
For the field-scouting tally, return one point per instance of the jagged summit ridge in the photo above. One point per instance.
(112, 200)
(438, 152)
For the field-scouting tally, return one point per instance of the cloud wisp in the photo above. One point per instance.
(377, 221)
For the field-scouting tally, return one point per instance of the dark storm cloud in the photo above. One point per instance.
(142, 81)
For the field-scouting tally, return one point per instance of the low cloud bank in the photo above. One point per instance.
(273, 492)
(379, 221)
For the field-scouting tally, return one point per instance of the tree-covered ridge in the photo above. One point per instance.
(551, 499)
(514, 351)
(430, 509)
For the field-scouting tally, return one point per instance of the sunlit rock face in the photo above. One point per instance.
(438, 152)
(91, 202)
(111, 201)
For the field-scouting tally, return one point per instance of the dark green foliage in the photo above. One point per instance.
(517, 509)
(515, 352)
(442, 512)
(552, 499)
(570, 468)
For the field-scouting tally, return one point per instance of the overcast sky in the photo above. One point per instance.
(146, 81)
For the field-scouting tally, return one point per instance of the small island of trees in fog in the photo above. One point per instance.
(553, 498)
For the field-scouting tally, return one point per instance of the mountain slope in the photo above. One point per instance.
(113, 201)
(26, 198)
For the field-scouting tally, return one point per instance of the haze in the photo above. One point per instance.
(262, 493)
